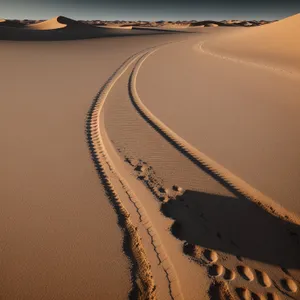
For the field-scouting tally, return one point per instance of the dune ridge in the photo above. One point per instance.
(276, 43)
(58, 22)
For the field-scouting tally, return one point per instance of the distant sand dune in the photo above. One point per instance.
(10, 23)
(62, 28)
(116, 26)
(58, 23)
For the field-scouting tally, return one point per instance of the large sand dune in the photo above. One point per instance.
(58, 23)
(134, 173)
(276, 44)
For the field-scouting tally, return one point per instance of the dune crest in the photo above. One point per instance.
(55, 23)
(276, 44)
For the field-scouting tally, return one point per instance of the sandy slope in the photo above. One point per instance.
(58, 23)
(54, 23)
(276, 44)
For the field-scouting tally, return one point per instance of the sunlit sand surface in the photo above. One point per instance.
(149, 164)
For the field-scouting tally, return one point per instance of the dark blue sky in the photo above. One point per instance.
(149, 10)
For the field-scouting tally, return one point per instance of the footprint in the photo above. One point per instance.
(243, 293)
(164, 198)
(177, 188)
(219, 290)
(163, 190)
(229, 275)
(263, 279)
(139, 168)
(245, 272)
(211, 255)
(215, 270)
(142, 177)
(272, 296)
(255, 296)
(289, 285)
(192, 250)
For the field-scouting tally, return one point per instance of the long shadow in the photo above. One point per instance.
(236, 226)
(21, 34)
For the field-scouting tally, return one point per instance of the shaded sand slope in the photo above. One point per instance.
(59, 235)
(10, 23)
(55, 23)
(244, 118)
(276, 44)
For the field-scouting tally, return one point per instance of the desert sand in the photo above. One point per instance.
(149, 164)
(272, 44)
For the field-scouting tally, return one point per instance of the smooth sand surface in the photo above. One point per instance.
(136, 163)
(59, 234)
(276, 44)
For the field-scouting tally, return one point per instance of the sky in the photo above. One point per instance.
(149, 9)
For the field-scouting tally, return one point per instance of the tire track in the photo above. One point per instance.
(142, 278)
(230, 181)
(143, 285)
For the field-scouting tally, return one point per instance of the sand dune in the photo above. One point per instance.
(116, 26)
(10, 23)
(277, 44)
(58, 23)
(62, 28)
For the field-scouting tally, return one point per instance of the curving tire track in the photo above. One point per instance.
(141, 270)
(230, 181)
(143, 284)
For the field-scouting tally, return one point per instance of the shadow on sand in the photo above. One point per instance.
(235, 226)
(21, 34)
